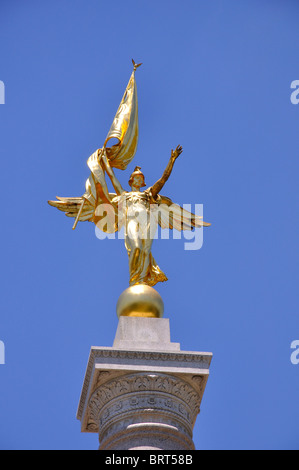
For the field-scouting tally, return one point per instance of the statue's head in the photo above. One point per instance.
(137, 178)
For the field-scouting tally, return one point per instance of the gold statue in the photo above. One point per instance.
(139, 212)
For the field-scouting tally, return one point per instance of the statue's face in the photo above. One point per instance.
(137, 181)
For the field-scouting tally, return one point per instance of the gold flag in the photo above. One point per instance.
(124, 128)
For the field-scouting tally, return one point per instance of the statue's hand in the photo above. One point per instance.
(176, 152)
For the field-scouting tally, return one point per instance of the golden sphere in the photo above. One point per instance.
(140, 301)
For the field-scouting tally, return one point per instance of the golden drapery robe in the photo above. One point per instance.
(140, 229)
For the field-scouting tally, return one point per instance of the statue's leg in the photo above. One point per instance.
(134, 248)
(135, 258)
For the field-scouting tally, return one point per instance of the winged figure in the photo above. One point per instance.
(139, 212)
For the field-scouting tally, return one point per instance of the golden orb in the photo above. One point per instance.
(140, 301)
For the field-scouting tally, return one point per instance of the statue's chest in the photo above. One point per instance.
(138, 198)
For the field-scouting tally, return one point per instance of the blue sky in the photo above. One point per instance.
(216, 78)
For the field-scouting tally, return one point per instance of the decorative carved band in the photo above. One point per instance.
(143, 392)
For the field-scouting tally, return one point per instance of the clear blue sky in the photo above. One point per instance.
(216, 79)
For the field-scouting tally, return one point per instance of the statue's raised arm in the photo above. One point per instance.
(156, 188)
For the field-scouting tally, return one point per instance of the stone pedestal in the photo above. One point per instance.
(144, 392)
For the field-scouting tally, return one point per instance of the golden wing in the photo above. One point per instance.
(102, 213)
(71, 207)
(173, 216)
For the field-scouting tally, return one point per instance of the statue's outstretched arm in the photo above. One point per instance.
(156, 188)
